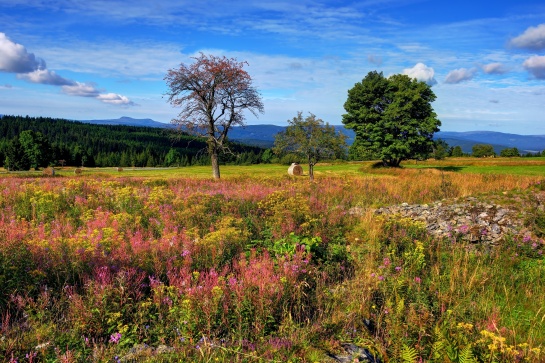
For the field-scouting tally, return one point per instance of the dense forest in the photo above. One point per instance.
(40, 141)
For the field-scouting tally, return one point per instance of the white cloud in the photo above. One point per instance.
(536, 66)
(532, 39)
(422, 73)
(460, 75)
(114, 99)
(45, 76)
(81, 90)
(14, 57)
(89, 90)
(494, 68)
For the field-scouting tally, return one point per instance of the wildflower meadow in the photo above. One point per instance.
(263, 267)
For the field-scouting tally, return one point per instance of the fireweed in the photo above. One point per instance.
(91, 267)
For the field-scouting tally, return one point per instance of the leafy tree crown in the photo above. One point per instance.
(392, 117)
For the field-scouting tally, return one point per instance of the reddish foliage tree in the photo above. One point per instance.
(213, 94)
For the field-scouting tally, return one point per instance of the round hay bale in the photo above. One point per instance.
(119, 168)
(295, 170)
(77, 171)
(49, 171)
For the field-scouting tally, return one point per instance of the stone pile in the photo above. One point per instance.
(467, 218)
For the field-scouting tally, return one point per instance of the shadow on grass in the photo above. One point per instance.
(380, 165)
(445, 168)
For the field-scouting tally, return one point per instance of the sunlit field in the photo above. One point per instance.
(169, 265)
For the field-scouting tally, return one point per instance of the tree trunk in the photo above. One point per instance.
(311, 171)
(392, 162)
(213, 151)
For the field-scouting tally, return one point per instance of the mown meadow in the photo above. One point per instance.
(170, 265)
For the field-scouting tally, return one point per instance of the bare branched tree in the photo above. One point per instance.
(213, 94)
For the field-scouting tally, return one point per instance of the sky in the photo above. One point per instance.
(104, 59)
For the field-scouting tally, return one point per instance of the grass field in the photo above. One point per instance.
(168, 265)
(510, 166)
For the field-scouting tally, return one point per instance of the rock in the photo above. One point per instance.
(355, 354)
(495, 229)
(163, 349)
(470, 219)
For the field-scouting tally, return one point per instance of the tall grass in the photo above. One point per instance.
(258, 267)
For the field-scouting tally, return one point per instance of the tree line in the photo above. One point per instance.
(36, 142)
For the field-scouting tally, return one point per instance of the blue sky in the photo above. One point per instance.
(90, 59)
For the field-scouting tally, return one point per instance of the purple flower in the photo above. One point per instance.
(115, 337)
(526, 238)
(417, 280)
(398, 268)
(381, 278)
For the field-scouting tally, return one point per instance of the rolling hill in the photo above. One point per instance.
(263, 135)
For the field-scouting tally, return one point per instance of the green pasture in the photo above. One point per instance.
(227, 171)
(512, 166)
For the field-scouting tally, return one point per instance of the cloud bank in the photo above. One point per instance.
(422, 73)
(14, 58)
(532, 39)
(460, 75)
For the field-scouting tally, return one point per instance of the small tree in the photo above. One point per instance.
(392, 117)
(213, 94)
(36, 147)
(310, 139)
(482, 150)
(16, 157)
(173, 157)
(510, 152)
(440, 149)
(457, 152)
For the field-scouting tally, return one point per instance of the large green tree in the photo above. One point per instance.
(392, 117)
(309, 138)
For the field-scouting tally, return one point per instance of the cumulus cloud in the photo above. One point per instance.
(114, 99)
(14, 57)
(494, 68)
(81, 90)
(532, 39)
(536, 66)
(89, 90)
(460, 75)
(422, 73)
(45, 76)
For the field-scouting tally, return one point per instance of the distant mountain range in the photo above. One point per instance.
(128, 121)
(263, 135)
